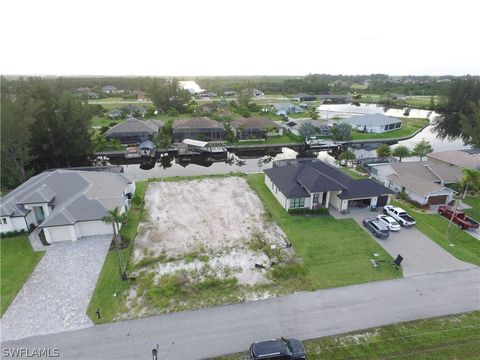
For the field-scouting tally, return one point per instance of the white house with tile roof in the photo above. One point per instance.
(66, 204)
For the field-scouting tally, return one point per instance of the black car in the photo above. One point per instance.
(377, 228)
(277, 349)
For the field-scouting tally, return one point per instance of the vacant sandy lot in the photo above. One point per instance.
(214, 218)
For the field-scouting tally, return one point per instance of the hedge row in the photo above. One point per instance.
(306, 211)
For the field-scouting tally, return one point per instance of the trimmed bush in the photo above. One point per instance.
(13, 233)
(306, 211)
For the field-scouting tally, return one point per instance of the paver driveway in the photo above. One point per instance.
(56, 296)
(421, 254)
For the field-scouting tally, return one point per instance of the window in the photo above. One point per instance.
(4, 220)
(316, 197)
(297, 203)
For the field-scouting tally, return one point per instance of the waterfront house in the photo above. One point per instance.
(134, 131)
(198, 128)
(256, 128)
(373, 123)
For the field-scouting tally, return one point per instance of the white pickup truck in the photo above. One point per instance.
(400, 215)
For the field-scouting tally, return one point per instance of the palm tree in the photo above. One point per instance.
(313, 114)
(470, 177)
(115, 218)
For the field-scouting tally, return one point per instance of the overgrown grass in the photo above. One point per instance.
(17, 263)
(474, 202)
(287, 138)
(442, 338)
(465, 248)
(409, 127)
(110, 289)
(334, 252)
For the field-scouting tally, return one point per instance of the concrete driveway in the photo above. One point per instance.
(56, 296)
(421, 254)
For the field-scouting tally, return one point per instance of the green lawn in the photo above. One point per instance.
(409, 127)
(352, 173)
(474, 212)
(17, 263)
(103, 121)
(465, 248)
(335, 252)
(443, 338)
(110, 288)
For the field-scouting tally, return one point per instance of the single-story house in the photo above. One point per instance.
(335, 99)
(323, 128)
(286, 109)
(205, 94)
(66, 204)
(422, 181)
(139, 94)
(191, 86)
(373, 123)
(256, 128)
(229, 93)
(115, 114)
(138, 111)
(465, 159)
(316, 184)
(210, 107)
(134, 131)
(256, 92)
(109, 89)
(198, 128)
(304, 97)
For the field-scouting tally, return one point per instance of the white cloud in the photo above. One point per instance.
(241, 37)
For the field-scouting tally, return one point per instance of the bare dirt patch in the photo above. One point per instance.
(202, 243)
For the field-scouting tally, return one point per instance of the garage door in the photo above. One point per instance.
(382, 201)
(437, 200)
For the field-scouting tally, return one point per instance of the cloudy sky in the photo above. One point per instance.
(239, 37)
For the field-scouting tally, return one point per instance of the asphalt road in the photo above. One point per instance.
(231, 328)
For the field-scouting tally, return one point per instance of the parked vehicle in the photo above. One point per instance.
(377, 228)
(459, 217)
(400, 215)
(391, 223)
(278, 349)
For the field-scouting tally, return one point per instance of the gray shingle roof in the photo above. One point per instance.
(135, 126)
(75, 195)
(316, 176)
(196, 123)
(255, 123)
(371, 119)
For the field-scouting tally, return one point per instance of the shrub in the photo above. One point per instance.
(13, 233)
(305, 211)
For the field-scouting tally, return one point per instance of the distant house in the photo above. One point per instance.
(465, 159)
(110, 90)
(256, 128)
(373, 123)
(86, 93)
(335, 99)
(210, 107)
(66, 204)
(205, 94)
(316, 184)
(284, 109)
(134, 131)
(198, 128)
(229, 93)
(255, 92)
(191, 86)
(304, 97)
(138, 111)
(115, 114)
(422, 181)
(139, 94)
(322, 127)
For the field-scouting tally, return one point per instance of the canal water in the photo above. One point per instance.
(260, 163)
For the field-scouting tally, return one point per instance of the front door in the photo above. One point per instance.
(39, 214)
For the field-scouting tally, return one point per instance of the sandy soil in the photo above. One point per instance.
(214, 217)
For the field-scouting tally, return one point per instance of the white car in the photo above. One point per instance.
(391, 223)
